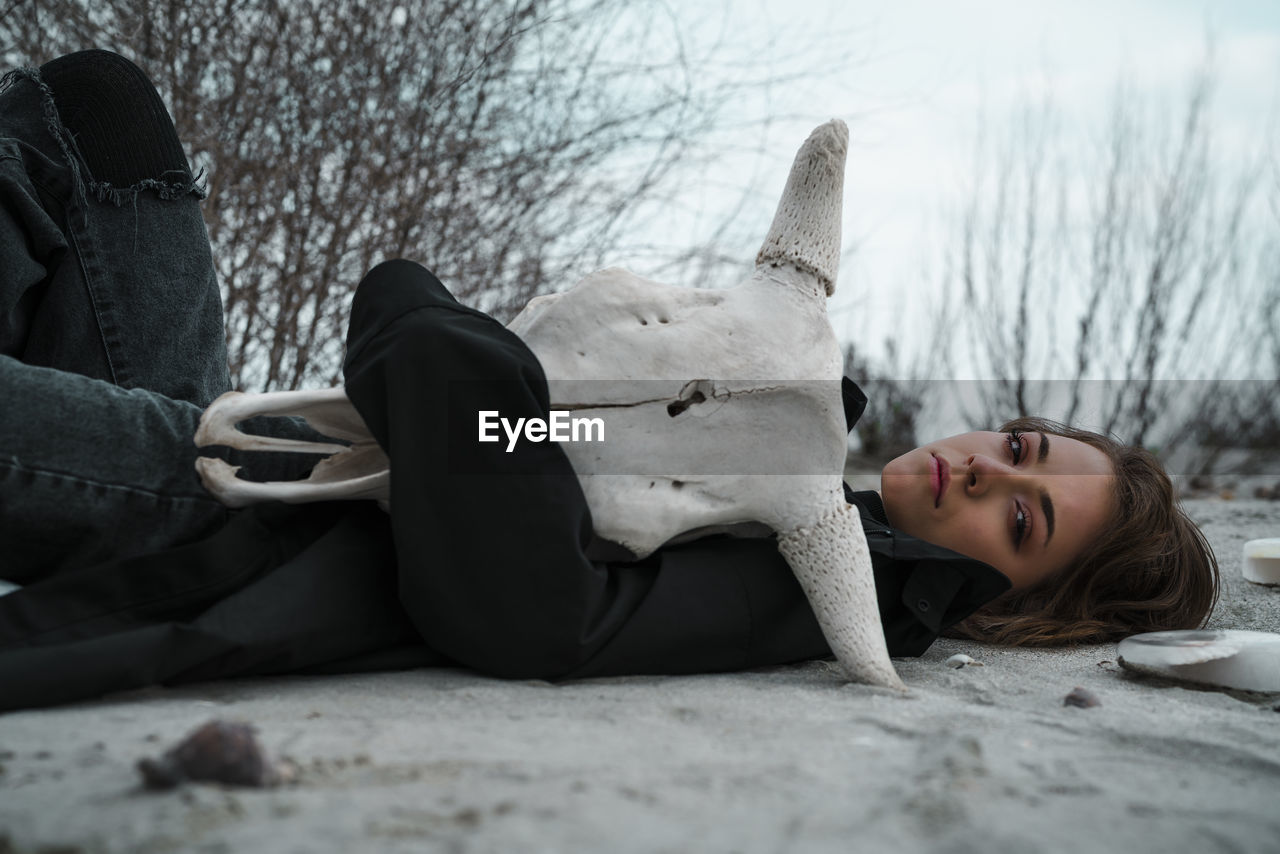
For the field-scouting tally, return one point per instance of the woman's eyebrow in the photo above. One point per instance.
(1046, 503)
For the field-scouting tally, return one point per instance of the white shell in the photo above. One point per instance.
(1261, 563)
(1224, 658)
(958, 660)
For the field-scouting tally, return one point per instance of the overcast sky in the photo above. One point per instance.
(926, 71)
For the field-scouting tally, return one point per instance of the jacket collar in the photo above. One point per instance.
(870, 504)
(922, 589)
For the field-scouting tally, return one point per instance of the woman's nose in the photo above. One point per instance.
(982, 472)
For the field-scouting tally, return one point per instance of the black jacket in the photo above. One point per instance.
(482, 563)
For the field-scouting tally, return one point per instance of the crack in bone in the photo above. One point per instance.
(721, 395)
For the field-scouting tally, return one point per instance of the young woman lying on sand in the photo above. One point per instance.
(111, 346)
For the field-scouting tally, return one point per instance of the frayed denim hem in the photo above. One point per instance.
(164, 187)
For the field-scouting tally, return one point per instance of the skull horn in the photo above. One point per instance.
(806, 227)
(831, 561)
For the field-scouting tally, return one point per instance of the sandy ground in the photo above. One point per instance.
(786, 759)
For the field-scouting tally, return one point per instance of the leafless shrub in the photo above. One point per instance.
(895, 396)
(1113, 287)
(504, 143)
(1244, 421)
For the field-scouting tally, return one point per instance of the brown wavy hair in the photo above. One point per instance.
(1151, 570)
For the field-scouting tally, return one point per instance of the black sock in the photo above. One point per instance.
(117, 118)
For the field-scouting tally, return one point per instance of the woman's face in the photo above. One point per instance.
(1026, 503)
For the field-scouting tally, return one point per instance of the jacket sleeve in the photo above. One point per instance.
(715, 604)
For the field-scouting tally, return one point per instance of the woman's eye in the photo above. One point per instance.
(1021, 520)
(1015, 446)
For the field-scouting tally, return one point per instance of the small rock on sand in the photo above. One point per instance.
(1081, 698)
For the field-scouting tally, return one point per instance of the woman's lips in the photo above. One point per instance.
(940, 476)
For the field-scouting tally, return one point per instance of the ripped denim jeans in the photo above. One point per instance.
(111, 344)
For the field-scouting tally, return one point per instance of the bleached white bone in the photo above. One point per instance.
(358, 470)
(702, 386)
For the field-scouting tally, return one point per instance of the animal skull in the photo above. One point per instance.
(721, 407)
